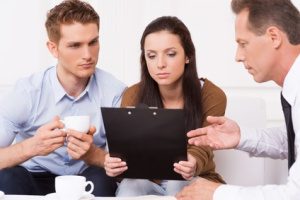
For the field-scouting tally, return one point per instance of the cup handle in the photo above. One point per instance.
(92, 186)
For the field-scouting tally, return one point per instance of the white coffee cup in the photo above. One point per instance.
(72, 187)
(80, 123)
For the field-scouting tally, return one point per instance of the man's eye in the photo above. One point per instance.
(242, 44)
(74, 45)
(95, 42)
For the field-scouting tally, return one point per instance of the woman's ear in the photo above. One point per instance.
(275, 35)
(53, 48)
(187, 60)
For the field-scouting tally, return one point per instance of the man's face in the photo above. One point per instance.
(77, 51)
(255, 51)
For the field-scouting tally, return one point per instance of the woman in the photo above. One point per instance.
(169, 80)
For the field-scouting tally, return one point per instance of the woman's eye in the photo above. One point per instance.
(171, 54)
(151, 56)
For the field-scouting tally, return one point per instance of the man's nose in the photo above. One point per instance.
(239, 56)
(86, 53)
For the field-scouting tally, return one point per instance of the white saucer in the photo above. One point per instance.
(1, 194)
(86, 196)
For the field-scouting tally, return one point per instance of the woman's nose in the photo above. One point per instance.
(161, 63)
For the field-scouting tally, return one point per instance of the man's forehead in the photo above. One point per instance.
(79, 32)
(242, 26)
(242, 19)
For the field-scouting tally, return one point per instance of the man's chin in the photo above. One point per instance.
(259, 79)
(86, 74)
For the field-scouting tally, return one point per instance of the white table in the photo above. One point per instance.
(148, 197)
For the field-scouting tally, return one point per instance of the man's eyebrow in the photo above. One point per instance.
(96, 38)
(240, 40)
(76, 42)
(73, 42)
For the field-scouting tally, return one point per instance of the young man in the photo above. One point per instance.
(30, 113)
(268, 37)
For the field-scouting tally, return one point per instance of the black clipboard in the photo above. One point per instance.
(150, 140)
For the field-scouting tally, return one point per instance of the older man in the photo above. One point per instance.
(268, 38)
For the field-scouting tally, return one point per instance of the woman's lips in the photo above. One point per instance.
(163, 75)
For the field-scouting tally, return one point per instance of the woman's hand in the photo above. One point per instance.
(187, 168)
(114, 166)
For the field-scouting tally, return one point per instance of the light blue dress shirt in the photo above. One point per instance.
(34, 102)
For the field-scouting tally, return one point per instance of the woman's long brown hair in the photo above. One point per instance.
(149, 92)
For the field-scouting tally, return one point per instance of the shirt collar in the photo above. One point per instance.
(87, 88)
(291, 84)
(59, 92)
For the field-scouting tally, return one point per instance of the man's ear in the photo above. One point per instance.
(275, 35)
(53, 48)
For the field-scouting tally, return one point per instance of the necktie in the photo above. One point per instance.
(286, 107)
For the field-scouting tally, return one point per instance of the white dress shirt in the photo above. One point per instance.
(272, 143)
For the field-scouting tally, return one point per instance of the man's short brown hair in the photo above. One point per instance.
(264, 13)
(68, 12)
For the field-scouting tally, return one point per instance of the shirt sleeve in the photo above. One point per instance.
(118, 98)
(289, 191)
(112, 89)
(14, 110)
(269, 142)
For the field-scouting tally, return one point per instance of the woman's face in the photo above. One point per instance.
(165, 58)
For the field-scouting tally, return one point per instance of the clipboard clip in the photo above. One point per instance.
(142, 105)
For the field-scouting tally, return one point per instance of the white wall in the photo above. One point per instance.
(211, 23)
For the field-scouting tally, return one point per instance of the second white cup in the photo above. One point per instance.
(72, 187)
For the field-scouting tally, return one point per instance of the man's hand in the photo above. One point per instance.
(48, 138)
(223, 133)
(78, 144)
(187, 168)
(114, 166)
(200, 189)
